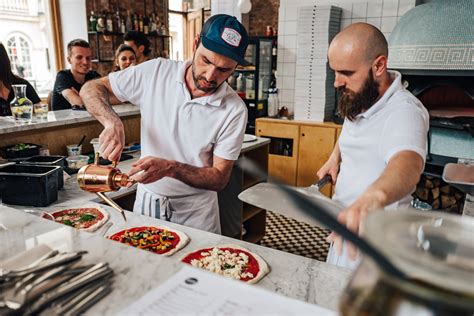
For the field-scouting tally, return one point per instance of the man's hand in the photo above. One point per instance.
(399, 178)
(215, 178)
(150, 169)
(112, 141)
(331, 166)
(353, 216)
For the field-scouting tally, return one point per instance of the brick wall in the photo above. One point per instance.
(108, 45)
(263, 13)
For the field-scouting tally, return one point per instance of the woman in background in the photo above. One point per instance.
(7, 79)
(124, 57)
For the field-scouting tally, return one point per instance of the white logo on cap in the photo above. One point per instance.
(231, 36)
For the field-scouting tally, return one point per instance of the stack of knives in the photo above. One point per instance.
(57, 284)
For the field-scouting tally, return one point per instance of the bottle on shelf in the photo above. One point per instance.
(163, 29)
(153, 24)
(146, 25)
(136, 25)
(92, 22)
(118, 21)
(109, 22)
(129, 23)
(140, 23)
(250, 86)
(123, 29)
(101, 22)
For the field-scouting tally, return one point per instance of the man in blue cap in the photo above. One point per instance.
(192, 124)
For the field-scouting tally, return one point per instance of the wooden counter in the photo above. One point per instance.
(67, 127)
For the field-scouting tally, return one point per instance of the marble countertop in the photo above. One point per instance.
(293, 276)
(59, 118)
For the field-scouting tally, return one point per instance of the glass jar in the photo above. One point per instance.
(21, 106)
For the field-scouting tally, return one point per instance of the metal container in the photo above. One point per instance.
(435, 250)
(96, 178)
(460, 176)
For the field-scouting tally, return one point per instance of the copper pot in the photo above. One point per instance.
(95, 178)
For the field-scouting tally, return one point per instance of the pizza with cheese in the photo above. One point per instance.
(160, 240)
(230, 261)
(86, 218)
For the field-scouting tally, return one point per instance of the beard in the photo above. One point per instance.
(211, 86)
(353, 103)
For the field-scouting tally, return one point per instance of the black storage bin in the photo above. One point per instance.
(48, 161)
(29, 185)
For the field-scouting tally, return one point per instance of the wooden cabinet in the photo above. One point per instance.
(283, 151)
(315, 146)
(311, 145)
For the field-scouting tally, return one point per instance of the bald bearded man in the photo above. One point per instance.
(380, 154)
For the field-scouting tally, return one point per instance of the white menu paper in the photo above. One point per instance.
(193, 291)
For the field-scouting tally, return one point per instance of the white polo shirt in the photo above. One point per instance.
(176, 127)
(395, 123)
(398, 121)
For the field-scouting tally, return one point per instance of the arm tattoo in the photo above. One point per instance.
(96, 100)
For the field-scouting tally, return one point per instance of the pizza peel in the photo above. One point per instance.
(269, 196)
(317, 207)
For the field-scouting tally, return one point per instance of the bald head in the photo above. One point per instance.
(361, 40)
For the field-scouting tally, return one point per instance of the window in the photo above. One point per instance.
(28, 34)
(19, 51)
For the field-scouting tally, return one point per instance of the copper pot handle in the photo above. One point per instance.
(97, 158)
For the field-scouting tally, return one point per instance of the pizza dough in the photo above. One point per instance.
(230, 261)
(87, 219)
(160, 240)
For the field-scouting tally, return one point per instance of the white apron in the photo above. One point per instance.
(199, 211)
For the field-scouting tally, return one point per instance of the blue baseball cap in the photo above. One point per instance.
(225, 35)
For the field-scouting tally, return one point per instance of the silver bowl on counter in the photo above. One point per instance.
(436, 252)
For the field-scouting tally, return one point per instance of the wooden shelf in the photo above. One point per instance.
(250, 182)
(253, 237)
(255, 226)
(250, 211)
(121, 34)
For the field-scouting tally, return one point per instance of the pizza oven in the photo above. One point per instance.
(432, 46)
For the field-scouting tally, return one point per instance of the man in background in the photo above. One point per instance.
(69, 82)
(140, 44)
(380, 155)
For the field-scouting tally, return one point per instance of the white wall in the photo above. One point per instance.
(384, 14)
(73, 22)
(226, 7)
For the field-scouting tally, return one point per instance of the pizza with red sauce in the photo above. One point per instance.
(159, 240)
(86, 218)
(230, 261)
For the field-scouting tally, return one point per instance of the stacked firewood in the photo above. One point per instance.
(439, 194)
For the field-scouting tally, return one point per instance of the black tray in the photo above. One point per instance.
(10, 153)
(29, 185)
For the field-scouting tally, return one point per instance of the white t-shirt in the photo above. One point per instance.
(176, 127)
(398, 121)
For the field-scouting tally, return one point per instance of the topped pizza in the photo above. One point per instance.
(159, 240)
(85, 218)
(230, 261)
